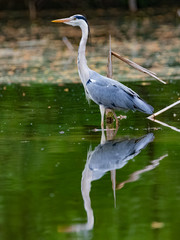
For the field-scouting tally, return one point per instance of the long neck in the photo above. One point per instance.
(82, 63)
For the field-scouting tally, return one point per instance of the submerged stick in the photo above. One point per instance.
(137, 67)
(163, 110)
(109, 114)
(165, 124)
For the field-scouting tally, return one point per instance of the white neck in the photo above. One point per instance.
(82, 63)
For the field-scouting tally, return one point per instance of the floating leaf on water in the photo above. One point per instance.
(145, 83)
(156, 225)
(66, 90)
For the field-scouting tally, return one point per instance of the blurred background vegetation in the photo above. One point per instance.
(64, 4)
(37, 5)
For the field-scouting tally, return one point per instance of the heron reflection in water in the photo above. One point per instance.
(109, 156)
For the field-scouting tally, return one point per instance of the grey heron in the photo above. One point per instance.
(104, 91)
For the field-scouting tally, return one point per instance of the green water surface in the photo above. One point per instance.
(46, 132)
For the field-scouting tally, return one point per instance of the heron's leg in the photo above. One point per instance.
(117, 122)
(102, 110)
(103, 137)
(113, 180)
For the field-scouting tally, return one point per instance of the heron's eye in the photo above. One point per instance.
(74, 18)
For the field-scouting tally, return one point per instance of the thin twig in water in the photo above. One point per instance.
(163, 110)
(109, 74)
(165, 124)
(110, 132)
(137, 67)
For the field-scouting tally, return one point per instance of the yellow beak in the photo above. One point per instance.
(63, 20)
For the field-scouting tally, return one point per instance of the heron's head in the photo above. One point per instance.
(75, 20)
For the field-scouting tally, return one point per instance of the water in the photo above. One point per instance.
(60, 177)
(46, 132)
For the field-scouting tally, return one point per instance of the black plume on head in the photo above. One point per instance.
(82, 17)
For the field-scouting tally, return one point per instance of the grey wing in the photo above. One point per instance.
(114, 95)
(105, 91)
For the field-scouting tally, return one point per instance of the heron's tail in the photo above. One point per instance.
(142, 142)
(142, 106)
